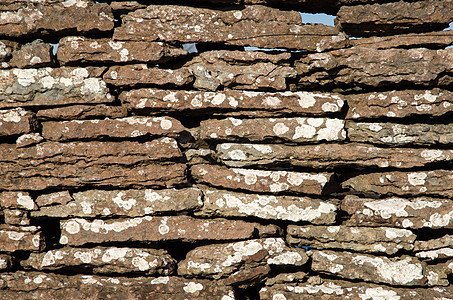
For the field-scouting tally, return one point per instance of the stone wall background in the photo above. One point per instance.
(132, 169)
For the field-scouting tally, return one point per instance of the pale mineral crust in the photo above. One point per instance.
(32, 55)
(222, 203)
(16, 217)
(436, 254)
(127, 203)
(21, 238)
(29, 139)
(256, 25)
(398, 17)
(436, 39)
(401, 271)
(77, 112)
(6, 261)
(16, 121)
(17, 200)
(50, 87)
(231, 102)
(400, 104)
(361, 239)
(300, 130)
(129, 127)
(104, 260)
(6, 51)
(262, 181)
(56, 198)
(415, 213)
(76, 50)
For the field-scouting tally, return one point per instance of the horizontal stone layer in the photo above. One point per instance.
(437, 254)
(16, 121)
(32, 55)
(78, 112)
(21, 238)
(17, 200)
(56, 198)
(436, 39)
(442, 242)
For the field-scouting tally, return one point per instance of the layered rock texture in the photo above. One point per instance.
(309, 166)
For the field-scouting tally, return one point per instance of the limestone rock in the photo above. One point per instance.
(50, 87)
(436, 254)
(256, 25)
(444, 241)
(287, 278)
(78, 112)
(6, 51)
(199, 156)
(437, 275)
(32, 55)
(16, 217)
(130, 203)
(56, 198)
(17, 200)
(404, 271)
(116, 128)
(29, 139)
(76, 50)
(21, 238)
(362, 239)
(297, 209)
(6, 262)
(436, 39)
(16, 121)
(300, 130)
(413, 213)
(123, 7)
(263, 181)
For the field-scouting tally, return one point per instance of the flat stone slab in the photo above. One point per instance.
(16, 217)
(21, 238)
(300, 130)
(16, 121)
(222, 203)
(437, 254)
(420, 212)
(17, 200)
(442, 242)
(262, 181)
(78, 112)
(56, 198)
(361, 239)
(126, 203)
(32, 55)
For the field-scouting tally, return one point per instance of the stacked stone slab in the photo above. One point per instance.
(315, 166)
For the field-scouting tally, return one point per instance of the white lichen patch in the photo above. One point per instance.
(192, 287)
(417, 178)
(326, 288)
(435, 254)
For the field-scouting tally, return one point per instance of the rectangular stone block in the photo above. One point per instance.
(17, 200)
(21, 238)
(35, 54)
(16, 217)
(16, 121)
(57, 198)
(79, 112)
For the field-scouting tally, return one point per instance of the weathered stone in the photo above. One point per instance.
(362, 239)
(199, 156)
(297, 209)
(76, 50)
(262, 181)
(20, 238)
(398, 17)
(367, 67)
(61, 198)
(231, 102)
(29, 139)
(379, 269)
(400, 134)
(17, 200)
(256, 25)
(104, 260)
(436, 254)
(287, 278)
(16, 121)
(300, 130)
(147, 229)
(6, 262)
(123, 7)
(131, 203)
(117, 128)
(224, 260)
(400, 104)
(16, 217)
(436, 39)
(248, 70)
(78, 112)
(45, 18)
(437, 182)
(414, 213)
(139, 75)
(49, 87)
(445, 241)
(35, 54)
(437, 275)
(6, 51)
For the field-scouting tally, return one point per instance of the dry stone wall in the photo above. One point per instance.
(316, 166)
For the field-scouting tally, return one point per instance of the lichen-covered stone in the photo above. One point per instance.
(436, 254)
(130, 203)
(6, 262)
(362, 239)
(16, 217)
(262, 181)
(57, 198)
(17, 200)
(78, 112)
(297, 209)
(298, 130)
(123, 7)
(442, 242)
(32, 55)
(16, 121)
(21, 238)
(29, 139)
(287, 278)
(129, 127)
(6, 51)
(420, 212)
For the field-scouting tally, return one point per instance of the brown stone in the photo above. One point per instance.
(442, 242)
(76, 50)
(361, 239)
(398, 17)
(199, 156)
(32, 55)
(400, 104)
(78, 112)
(139, 75)
(262, 181)
(21, 238)
(300, 130)
(16, 121)
(413, 213)
(248, 70)
(129, 127)
(221, 203)
(17, 200)
(436, 39)
(16, 217)
(127, 203)
(29, 139)
(6, 262)
(50, 87)
(61, 198)
(256, 25)
(436, 254)
(104, 260)
(231, 102)
(123, 7)
(6, 51)
(437, 275)
(148, 229)
(287, 278)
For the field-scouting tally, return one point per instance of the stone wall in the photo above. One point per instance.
(133, 169)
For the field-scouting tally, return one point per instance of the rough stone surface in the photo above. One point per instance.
(29, 139)
(444, 241)
(21, 238)
(404, 271)
(16, 217)
(400, 104)
(398, 17)
(104, 260)
(362, 239)
(6, 262)
(436, 254)
(56, 198)
(262, 181)
(17, 200)
(123, 7)
(6, 51)
(35, 54)
(413, 213)
(130, 203)
(76, 50)
(297, 209)
(287, 278)
(257, 26)
(77, 112)
(300, 130)
(16, 121)
(436, 39)
(129, 127)
(231, 102)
